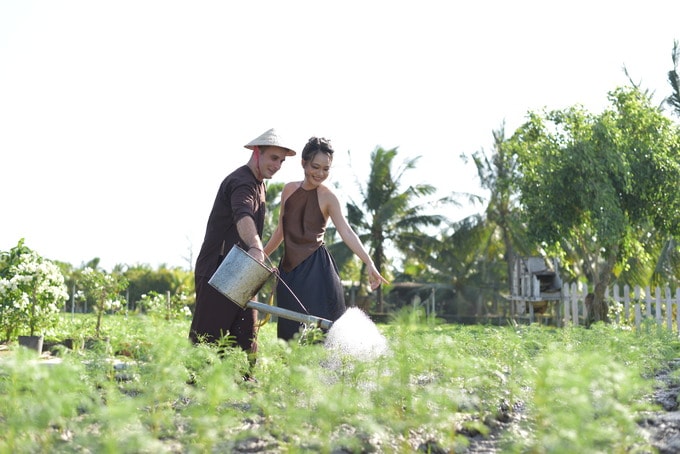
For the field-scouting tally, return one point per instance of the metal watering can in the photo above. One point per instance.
(240, 276)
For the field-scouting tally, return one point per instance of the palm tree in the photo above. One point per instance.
(497, 174)
(657, 266)
(466, 255)
(466, 259)
(674, 80)
(387, 214)
(662, 264)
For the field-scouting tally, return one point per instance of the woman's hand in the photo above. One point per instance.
(375, 279)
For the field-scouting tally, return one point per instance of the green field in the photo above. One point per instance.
(148, 390)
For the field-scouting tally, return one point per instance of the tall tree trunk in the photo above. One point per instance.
(378, 262)
(596, 305)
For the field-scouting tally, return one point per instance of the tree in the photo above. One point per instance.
(662, 265)
(142, 280)
(673, 99)
(104, 288)
(466, 259)
(465, 256)
(600, 181)
(386, 214)
(476, 254)
(498, 173)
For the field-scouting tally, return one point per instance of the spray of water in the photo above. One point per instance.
(354, 335)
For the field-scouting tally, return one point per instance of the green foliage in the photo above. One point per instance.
(32, 292)
(599, 188)
(104, 289)
(152, 391)
(673, 100)
(144, 280)
(584, 411)
(40, 405)
(273, 199)
(480, 251)
(390, 215)
(158, 305)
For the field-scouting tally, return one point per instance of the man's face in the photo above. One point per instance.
(271, 159)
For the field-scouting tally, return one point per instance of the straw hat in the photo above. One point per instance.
(269, 138)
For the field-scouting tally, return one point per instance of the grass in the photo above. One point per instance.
(578, 391)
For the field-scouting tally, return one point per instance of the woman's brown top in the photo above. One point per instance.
(303, 227)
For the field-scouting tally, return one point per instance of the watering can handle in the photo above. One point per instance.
(278, 277)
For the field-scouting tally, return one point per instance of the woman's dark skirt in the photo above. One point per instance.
(316, 283)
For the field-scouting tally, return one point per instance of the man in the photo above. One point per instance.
(237, 218)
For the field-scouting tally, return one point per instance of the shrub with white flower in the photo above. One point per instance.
(32, 292)
(104, 289)
(158, 305)
(113, 305)
(152, 303)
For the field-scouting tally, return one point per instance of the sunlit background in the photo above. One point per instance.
(118, 120)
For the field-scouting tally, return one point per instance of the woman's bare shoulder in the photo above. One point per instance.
(325, 190)
(326, 195)
(291, 186)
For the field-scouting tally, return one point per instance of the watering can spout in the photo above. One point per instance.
(291, 315)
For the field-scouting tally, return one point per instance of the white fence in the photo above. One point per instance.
(638, 306)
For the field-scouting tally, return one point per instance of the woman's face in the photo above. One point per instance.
(317, 170)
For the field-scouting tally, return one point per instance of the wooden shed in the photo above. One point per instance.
(536, 289)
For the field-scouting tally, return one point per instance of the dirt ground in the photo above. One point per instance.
(662, 427)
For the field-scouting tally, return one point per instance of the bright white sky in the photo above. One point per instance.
(119, 119)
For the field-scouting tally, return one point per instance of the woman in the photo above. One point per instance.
(307, 270)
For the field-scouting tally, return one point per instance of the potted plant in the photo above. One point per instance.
(32, 290)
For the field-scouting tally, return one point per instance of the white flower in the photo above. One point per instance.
(31, 291)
